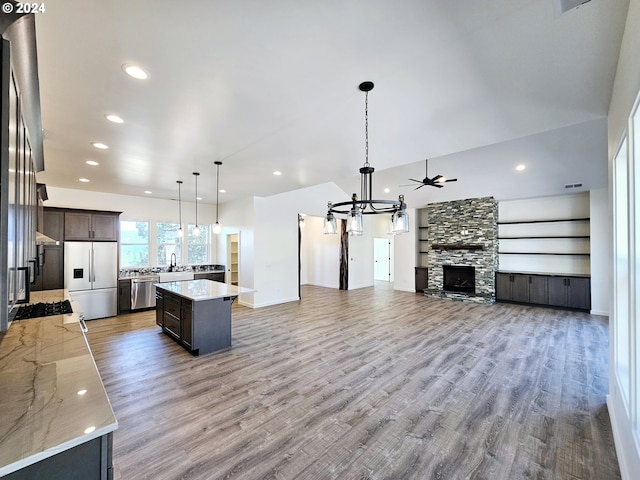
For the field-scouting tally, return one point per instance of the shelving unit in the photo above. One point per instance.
(233, 259)
(556, 245)
(544, 252)
(423, 245)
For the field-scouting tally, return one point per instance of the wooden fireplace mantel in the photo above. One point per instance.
(457, 246)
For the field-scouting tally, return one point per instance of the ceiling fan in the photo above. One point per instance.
(436, 181)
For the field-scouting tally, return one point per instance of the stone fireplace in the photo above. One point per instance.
(459, 279)
(462, 252)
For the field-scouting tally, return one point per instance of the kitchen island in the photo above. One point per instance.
(55, 417)
(197, 313)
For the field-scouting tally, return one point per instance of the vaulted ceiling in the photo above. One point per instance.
(477, 87)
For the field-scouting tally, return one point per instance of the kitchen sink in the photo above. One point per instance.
(175, 276)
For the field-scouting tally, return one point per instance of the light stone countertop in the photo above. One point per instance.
(202, 289)
(45, 366)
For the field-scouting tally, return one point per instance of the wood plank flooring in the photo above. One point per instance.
(364, 384)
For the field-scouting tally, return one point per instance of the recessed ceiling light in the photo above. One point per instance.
(114, 118)
(222, 190)
(84, 180)
(148, 192)
(100, 145)
(92, 162)
(277, 173)
(521, 167)
(198, 198)
(135, 71)
(386, 190)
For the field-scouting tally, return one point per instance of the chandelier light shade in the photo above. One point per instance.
(365, 205)
(196, 229)
(180, 231)
(217, 228)
(330, 226)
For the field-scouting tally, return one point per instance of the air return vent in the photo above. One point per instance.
(562, 6)
(573, 185)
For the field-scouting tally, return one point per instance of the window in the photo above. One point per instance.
(198, 246)
(134, 243)
(168, 242)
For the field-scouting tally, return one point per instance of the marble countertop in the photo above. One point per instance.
(202, 289)
(52, 396)
(153, 274)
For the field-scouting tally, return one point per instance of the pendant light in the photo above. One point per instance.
(196, 229)
(180, 231)
(364, 205)
(217, 228)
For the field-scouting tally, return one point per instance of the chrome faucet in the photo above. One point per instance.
(173, 262)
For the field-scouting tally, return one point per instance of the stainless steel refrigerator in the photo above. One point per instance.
(91, 277)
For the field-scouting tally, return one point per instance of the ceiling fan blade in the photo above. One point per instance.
(414, 180)
(438, 185)
(436, 178)
(451, 180)
(420, 186)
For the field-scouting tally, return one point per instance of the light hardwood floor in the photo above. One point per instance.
(364, 384)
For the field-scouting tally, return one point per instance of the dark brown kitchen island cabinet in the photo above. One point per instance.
(80, 225)
(197, 313)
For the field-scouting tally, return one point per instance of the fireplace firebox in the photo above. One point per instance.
(458, 278)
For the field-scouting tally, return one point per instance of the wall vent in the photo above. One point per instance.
(563, 6)
(573, 185)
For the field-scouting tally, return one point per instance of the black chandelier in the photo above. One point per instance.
(364, 205)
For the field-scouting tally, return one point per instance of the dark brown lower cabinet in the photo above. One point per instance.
(124, 296)
(91, 460)
(422, 278)
(215, 276)
(571, 292)
(549, 290)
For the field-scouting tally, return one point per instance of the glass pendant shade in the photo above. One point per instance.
(180, 232)
(217, 228)
(196, 231)
(400, 222)
(330, 226)
(354, 222)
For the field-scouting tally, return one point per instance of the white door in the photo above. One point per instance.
(382, 259)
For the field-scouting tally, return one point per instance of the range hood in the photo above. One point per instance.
(42, 239)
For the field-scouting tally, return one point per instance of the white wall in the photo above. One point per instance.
(275, 241)
(600, 237)
(319, 255)
(404, 248)
(237, 218)
(625, 90)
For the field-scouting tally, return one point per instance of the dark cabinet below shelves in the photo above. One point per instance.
(571, 292)
(422, 278)
(548, 290)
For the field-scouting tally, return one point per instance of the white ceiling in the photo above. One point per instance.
(476, 86)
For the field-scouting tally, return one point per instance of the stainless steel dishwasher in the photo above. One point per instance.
(143, 293)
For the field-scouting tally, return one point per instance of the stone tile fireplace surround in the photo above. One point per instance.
(463, 233)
